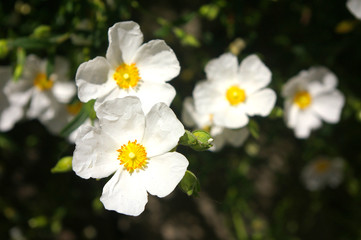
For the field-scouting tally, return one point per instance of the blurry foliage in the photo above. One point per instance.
(257, 187)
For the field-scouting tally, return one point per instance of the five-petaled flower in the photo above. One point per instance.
(37, 95)
(231, 93)
(310, 97)
(129, 69)
(322, 172)
(136, 148)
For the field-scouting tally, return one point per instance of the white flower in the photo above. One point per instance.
(310, 97)
(220, 135)
(232, 93)
(136, 148)
(40, 97)
(129, 69)
(323, 172)
(354, 6)
(9, 114)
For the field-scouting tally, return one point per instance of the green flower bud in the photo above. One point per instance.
(3, 48)
(204, 140)
(190, 184)
(63, 165)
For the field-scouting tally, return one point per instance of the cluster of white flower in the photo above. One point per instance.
(135, 131)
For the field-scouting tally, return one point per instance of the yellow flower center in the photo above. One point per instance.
(127, 76)
(42, 82)
(133, 156)
(303, 99)
(235, 95)
(74, 108)
(322, 165)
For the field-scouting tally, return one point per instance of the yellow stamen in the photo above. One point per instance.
(303, 99)
(127, 76)
(42, 82)
(74, 108)
(322, 165)
(133, 156)
(235, 95)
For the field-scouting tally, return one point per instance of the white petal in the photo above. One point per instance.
(191, 117)
(162, 131)
(306, 121)
(260, 103)
(95, 154)
(329, 105)
(254, 75)
(124, 40)
(223, 68)
(9, 116)
(219, 140)
(40, 102)
(295, 84)
(354, 6)
(122, 119)
(321, 80)
(18, 93)
(61, 68)
(231, 117)
(64, 91)
(188, 112)
(55, 123)
(291, 114)
(33, 66)
(208, 99)
(151, 93)
(156, 62)
(164, 172)
(125, 194)
(92, 79)
(236, 137)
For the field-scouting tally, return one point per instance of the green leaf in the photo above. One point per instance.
(63, 165)
(190, 184)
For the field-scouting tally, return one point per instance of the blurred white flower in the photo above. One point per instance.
(322, 172)
(231, 93)
(354, 6)
(220, 135)
(136, 148)
(9, 114)
(309, 97)
(36, 95)
(129, 69)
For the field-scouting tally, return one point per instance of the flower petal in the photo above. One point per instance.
(64, 91)
(236, 137)
(156, 62)
(122, 119)
(208, 98)
(223, 68)
(164, 172)
(191, 117)
(40, 102)
(254, 75)
(306, 121)
(125, 194)
(231, 117)
(151, 93)
(18, 93)
(124, 40)
(9, 116)
(92, 79)
(95, 154)
(329, 105)
(162, 131)
(354, 6)
(321, 80)
(260, 103)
